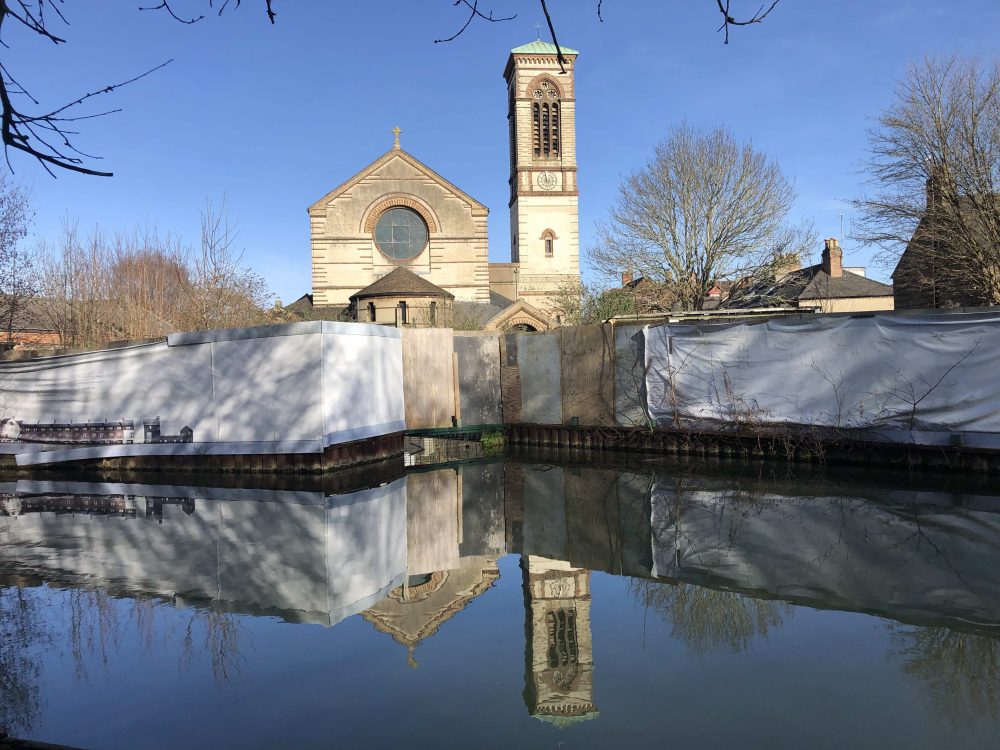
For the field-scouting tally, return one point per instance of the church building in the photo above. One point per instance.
(399, 215)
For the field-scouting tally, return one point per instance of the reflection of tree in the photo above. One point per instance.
(96, 623)
(23, 631)
(94, 628)
(960, 672)
(707, 619)
(222, 642)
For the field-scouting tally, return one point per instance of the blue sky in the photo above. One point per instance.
(272, 117)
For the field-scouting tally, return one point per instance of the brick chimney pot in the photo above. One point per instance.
(833, 258)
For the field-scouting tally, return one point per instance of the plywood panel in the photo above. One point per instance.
(428, 381)
(510, 379)
(587, 370)
(539, 360)
(479, 378)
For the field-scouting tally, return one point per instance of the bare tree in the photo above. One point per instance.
(18, 267)
(149, 285)
(75, 286)
(934, 172)
(142, 285)
(224, 292)
(705, 208)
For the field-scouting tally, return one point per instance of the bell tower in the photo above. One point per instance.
(544, 214)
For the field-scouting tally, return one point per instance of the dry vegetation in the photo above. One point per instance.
(105, 287)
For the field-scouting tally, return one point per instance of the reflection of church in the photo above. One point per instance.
(559, 657)
(397, 243)
(457, 528)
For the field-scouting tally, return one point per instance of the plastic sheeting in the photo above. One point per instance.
(629, 375)
(293, 388)
(913, 378)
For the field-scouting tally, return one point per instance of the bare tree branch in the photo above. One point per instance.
(44, 136)
(474, 13)
(728, 20)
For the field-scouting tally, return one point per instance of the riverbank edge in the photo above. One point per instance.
(798, 445)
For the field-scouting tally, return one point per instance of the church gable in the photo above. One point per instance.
(397, 212)
(397, 165)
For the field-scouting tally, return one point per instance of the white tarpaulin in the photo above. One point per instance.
(293, 388)
(908, 377)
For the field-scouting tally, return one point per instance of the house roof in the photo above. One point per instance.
(33, 314)
(539, 47)
(812, 283)
(402, 282)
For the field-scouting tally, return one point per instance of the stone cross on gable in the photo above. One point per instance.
(395, 133)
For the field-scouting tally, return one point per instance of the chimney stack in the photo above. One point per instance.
(833, 258)
(626, 278)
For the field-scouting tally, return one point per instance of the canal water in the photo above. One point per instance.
(527, 602)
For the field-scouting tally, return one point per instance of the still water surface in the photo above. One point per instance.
(506, 604)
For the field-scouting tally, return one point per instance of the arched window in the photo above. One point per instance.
(545, 120)
(549, 242)
(371, 312)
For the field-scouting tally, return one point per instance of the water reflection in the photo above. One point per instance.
(559, 652)
(960, 672)
(711, 619)
(723, 561)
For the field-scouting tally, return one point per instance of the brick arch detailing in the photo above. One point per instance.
(393, 201)
(548, 234)
(416, 593)
(537, 80)
(523, 319)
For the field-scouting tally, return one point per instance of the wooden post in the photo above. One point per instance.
(455, 389)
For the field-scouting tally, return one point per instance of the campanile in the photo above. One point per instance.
(544, 195)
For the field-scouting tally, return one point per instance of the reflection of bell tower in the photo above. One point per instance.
(559, 658)
(543, 187)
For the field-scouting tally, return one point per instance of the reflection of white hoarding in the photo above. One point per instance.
(294, 388)
(302, 555)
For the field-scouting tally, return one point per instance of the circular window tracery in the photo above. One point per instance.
(401, 233)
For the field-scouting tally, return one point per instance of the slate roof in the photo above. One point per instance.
(811, 283)
(539, 47)
(402, 282)
(33, 314)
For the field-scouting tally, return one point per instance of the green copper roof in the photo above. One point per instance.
(543, 48)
